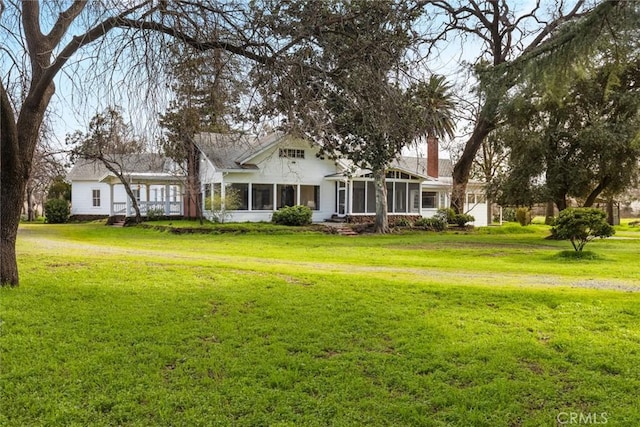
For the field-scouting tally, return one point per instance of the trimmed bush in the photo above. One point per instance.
(56, 211)
(581, 225)
(523, 216)
(292, 215)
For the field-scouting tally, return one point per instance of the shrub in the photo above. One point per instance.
(154, 214)
(508, 215)
(293, 215)
(462, 219)
(403, 222)
(447, 214)
(433, 224)
(220, 206)
(523, 216)
(580, 226)
(56, 211)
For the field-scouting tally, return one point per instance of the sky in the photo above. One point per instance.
(74, 104)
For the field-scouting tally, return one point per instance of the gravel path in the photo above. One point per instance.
(437, 275)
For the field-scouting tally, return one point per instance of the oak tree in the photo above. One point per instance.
(39, 42)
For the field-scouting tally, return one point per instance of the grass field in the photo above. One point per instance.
(137, 327)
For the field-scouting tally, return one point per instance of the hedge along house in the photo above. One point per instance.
(97, 192)
(277, 170)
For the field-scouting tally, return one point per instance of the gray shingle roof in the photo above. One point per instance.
(223, 150)
(234, 151)
(132, 163)
(418, 165)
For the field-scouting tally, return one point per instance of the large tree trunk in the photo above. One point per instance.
(462, 169)
(30, 202)
(561, 203)
(12, 197)
(381, 222)
(18, 143)
(549, 214)
(591, 199)
(193, 184)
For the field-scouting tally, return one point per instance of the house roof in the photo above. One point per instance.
(234, 151)
(418, 166)
(150, 164)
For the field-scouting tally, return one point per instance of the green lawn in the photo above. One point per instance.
(137, 327)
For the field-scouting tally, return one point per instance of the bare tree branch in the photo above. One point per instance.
(64, 21)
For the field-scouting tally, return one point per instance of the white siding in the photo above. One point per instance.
(82, 198)
(273, 169)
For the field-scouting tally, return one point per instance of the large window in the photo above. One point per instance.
(359, 188)
(262, 197)
(414, 197)
(429, 199)
(371, 197)
(95, 195)
(241, 192)
(310, 196)
(473, 199)
(401, 197)
(286, 195)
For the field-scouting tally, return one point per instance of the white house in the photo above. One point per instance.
(279, 170)
(268, 173)
(97, 192)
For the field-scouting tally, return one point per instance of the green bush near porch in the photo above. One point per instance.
(293, 215)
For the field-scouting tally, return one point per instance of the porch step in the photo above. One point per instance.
(118, 224)
(337, 219)
(345, 230)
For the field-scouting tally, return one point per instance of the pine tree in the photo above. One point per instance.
(207, 90)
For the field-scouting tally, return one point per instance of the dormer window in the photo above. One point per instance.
(291, 153)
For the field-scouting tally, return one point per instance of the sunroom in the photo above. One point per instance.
(406, 194)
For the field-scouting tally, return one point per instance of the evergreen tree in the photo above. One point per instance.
(207, 90)
(581, 143)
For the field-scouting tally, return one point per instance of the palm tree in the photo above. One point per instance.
(437, 107)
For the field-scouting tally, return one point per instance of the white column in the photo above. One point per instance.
(275, 197)
(128, 205)
(348, 197)
(223, 194)
(167, 200)
(111, 199)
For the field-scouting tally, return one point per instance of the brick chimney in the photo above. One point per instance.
(432, 156)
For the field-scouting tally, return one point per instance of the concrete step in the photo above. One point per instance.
(346, 231)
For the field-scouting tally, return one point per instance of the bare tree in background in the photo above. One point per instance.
(109, 141)
(47, 167)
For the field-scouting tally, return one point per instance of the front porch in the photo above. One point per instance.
(162, 208)
(155, 196)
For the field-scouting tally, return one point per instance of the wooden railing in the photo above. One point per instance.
(146, 208)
